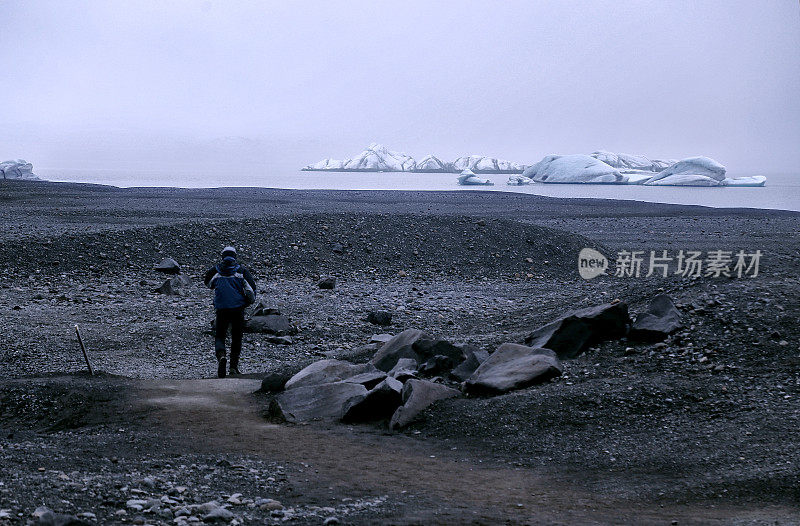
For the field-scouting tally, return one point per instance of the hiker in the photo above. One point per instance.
(234, 289)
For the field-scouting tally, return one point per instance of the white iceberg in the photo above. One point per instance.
(482, 164)
(694, 171)
(431, 163)
(326, 164)
(376, 158)
(574, 169)
(519, 180)
(468, 178)
(638, 177)
(754, 180)
(626, 162)
(17, 169)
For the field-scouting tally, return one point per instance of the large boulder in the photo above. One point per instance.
(437, 365)
(168, 266)
(17, 169)
(473, 360)
(427, 348)
(418, 395)
(572, 334)
(368, 379)
(416, 345)
(315, 402)
(276, 324)
(694, 171)
(659, 320)
(574, 169)
(327, 371)
(175, 286)
(513, 366)
(275, 379)
(404, 369)
(400, 346)
(378, 404)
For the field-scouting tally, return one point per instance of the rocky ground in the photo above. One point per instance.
(699, 428)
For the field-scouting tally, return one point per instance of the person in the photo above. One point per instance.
(234, 289)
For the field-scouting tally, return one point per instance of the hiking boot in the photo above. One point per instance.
(221, 367)
(234, 371)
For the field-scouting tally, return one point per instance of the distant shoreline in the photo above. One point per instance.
(460, 200)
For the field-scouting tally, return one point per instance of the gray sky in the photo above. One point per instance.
(102, 83)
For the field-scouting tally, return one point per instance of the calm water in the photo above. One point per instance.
(781, 192)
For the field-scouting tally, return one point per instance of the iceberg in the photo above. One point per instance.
(481, 164)
(755, 180)
(694, 171)
(326, 164)
(574, 169)
(468, 178)
(431, 163)
(626, 162)
(684, 180)
(518, 180)
(376, 158)
(17, 169)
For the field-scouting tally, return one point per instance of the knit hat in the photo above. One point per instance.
(229, 250)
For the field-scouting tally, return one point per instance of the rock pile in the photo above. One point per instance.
(177, 284)
(412, 370)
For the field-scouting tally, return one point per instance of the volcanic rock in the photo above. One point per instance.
(174, 286)
(513, 366)
(315, 402)
(276, 324)
(380, 317)
(378, 404)
(327, 371)
(418, 395)
(660, 319)
(572, 334)
(168, 266)
(328, 283)
(401, 346)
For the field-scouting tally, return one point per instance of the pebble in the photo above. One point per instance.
(218, 515)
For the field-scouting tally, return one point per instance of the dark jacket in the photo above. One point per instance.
(228, 280)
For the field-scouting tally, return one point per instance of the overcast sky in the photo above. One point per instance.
(119, 80)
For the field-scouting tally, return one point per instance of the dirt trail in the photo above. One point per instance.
(435, 483)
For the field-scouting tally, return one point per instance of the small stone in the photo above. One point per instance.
(268, 504)
(218, 515)
(379, 317)
(328, 283)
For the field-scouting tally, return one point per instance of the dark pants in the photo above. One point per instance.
(235, 319)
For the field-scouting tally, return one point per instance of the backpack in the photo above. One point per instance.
(231, 290)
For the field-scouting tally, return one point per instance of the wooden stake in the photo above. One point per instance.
(85, 354)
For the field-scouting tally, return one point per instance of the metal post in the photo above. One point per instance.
(85, 354)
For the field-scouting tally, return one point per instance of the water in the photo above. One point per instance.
(781, 192)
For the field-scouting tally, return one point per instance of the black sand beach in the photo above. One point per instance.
(700, 430)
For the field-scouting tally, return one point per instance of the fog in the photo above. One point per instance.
(255, 86)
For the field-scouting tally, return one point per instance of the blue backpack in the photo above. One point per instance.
(231, 290)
